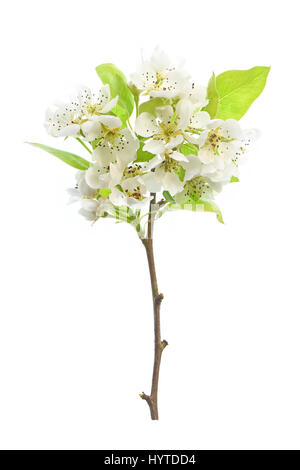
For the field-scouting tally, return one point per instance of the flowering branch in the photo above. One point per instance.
(185, 145)
(159, 345)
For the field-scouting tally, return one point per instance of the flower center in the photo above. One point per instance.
(160, 76)
(157, 82)
(93, 109)
(169, 164)
(167, 130)
(136, 193)
(214, 139)
(132, 171)
(110, 135)
(197, 188)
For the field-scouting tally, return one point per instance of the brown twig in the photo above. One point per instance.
(159, 345)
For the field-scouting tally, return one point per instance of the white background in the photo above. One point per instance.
(76, 319)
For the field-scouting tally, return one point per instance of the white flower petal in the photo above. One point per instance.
(125, 147)
(160, 60)
(153, 163)
(206, 155)
(103, 155)
(199, 120)
(145, 78)
(197, 95)
(104, 93)
(250, 136)
(145, 125)
(89, 205)
(116, 197)
(68, 131)
(92, 175)
(131, 184)
(84, 95)
(197, 139)
(154, 146)
(136, 203)
(162, 94)
(174, 142)
(84, 189)
(179, 157)
(172, 183)
(214, 124)
(112, 122)
(91, 130)
(152, 182)
(184, 111)
(116, 173)
(104, 206)
(164, 113)
(110, 105)
(231, 129)
(192, 167)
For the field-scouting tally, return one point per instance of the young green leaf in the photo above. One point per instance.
(142, 155)
(200, 206)
(104, 192)
(213, 97)
(189, 149)
(150, 105)
(168, 197)
(180, 173)
(70, 158)
(238, 89)
(120, 113)
(234, 179)
(117, 82)
(136, 95)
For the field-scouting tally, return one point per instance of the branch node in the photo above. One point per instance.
(163, 344)
(159, 298)
(147, 398)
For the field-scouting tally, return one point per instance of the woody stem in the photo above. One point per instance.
(157, 298)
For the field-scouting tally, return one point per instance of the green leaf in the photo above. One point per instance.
(136, 94)
(142, 155)
(213, 97)
(168, 197)
(120, 113)
(67, 157)
(188, 149)
(200, 206)
(234, 179)
(117, 82)
(150, 105)
(238, 89)
(104, 192)
(180, 173)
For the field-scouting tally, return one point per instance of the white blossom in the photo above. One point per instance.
(99, 177)
(167, 130)
(82, 116)
(168, 173)
(222, 145)
(131, 189)
(196, 94)
(93, 205)
(64, 120)
(157, 77)
(191, 155)
(93, 104)
(116, 145)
